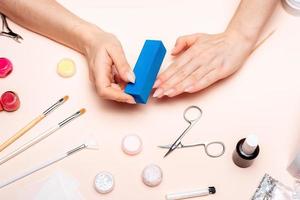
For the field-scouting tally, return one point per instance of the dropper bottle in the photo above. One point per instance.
(246, 151)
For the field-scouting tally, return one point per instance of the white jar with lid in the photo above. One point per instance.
(292, 6)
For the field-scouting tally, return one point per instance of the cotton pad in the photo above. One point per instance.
(152, 175)
(6, 67)
(104, 182)
(132, 144)
(66, 68)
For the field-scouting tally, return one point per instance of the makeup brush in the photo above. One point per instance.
(90, 144)
(41, 136)
(33, 123)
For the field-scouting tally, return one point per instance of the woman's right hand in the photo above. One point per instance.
(108, 67)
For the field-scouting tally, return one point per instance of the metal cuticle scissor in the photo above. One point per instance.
(7, 32)
(208, 146)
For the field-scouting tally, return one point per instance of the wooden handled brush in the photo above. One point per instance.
(32, 123)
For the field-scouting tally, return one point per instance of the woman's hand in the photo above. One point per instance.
(108, 67)
(202, 60)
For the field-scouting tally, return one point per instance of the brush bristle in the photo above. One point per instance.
(82, 111)
(91, 143)
(66, 98)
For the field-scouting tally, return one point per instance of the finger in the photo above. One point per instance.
(174, 67)
(91, 75)
(205, 51)
(205, 82)
(116, 86)
(105, 86)
(124, 70)
(117, 78)
(116, 94)
(183, 43)
(197, 65)
(190, 80)
(195, 77)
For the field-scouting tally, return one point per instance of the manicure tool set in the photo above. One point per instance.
(246, 151)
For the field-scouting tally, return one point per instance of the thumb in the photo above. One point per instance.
(124, 70)
(183, 43)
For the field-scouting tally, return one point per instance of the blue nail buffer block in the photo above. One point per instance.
(146, 70)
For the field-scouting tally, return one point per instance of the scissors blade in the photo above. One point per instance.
(172, 147)
(164, 146)
(170, 150)
(18, 38)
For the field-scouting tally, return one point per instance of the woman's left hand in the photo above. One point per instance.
(204, 59)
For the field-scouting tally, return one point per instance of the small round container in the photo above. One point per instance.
(6, 67)
(132, 144)
(9, 101)
(292, 6)
(66, 68)
(152, 175)
(104, 182)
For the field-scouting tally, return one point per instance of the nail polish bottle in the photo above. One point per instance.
(246, 151)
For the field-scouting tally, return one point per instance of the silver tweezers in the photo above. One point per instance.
(7, 32)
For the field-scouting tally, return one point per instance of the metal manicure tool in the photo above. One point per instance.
(208, 146)
(7, 32)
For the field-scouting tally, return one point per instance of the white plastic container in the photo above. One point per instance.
(292, 6)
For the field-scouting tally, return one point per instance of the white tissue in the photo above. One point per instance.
(59, 187)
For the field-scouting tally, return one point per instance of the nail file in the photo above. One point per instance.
(146, 70)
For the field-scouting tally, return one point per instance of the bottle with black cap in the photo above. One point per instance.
(246, 151)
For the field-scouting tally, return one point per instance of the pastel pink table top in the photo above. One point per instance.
(262, 98)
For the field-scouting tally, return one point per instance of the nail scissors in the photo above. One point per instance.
(208, 146)
(7, 32)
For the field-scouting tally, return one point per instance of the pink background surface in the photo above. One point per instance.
(262, 98)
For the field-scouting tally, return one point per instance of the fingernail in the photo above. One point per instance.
(157, 83)
(131, 101)
(169, 92)
(189, 89)
(131, 76)
(158, 92)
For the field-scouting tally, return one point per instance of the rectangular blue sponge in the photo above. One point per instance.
(146, 70)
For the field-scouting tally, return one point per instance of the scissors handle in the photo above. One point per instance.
(192, 120)
(207, 147)
(213, 154)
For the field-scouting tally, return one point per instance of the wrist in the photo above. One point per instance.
(249, 36)
(89, 34)
(241, 36)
